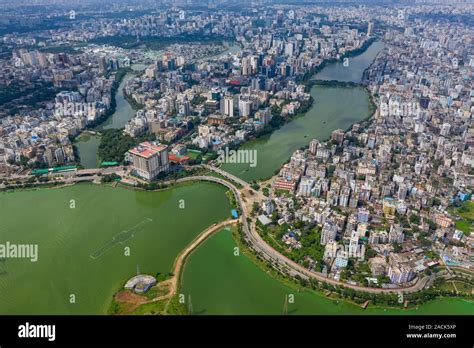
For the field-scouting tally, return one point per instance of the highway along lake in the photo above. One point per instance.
(333, 108)
(82, 231)
(81, 250)
(221, 283)
(218, 282)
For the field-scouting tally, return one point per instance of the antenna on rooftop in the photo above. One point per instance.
(138, 269)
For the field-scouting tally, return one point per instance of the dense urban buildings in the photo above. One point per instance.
(368, 208)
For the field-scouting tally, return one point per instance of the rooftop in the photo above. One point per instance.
(148, 149)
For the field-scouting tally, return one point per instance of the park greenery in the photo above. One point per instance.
(114, 144)
(26, 94)
(464, 217)
(308, 234)
(156, 42)
(109, 178)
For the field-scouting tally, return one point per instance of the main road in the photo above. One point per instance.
(268, 253)
(255, 240)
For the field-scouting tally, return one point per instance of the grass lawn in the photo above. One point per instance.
(464, 226)
(151, 308)
(462, 272)
(155, 292)
(461, 287)
(464, 287)
(466, 214)
(193, 154)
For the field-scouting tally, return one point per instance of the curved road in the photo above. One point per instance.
(227, 175)
(270, 254)
(266, 251)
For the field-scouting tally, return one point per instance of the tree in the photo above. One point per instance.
(255, 208)
(114, 144)
(370, 253)
(23, 160)
(255, 186)
(415, 219)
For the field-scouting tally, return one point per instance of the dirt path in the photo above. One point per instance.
(131, 300)
(250, 198)
(455, 287)
(173, 282)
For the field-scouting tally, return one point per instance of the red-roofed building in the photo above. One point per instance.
(178, 159)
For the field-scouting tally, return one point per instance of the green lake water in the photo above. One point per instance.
(76, 249)
(333, 108)
(87, 145)
(123, 111)
(81, 249)
(353, 70)
(221, 283)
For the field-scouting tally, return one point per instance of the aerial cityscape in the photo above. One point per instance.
(218, 157)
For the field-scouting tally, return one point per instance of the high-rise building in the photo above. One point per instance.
(400, 273)
(245, 106)
(263, 116)
(338, 135)
(396, 234)
(246, 66)
(445, 129)
(402, 191)
(184, 108)
(354, 200)
(306, 184)
(150, 72)
(313, 146)
(268, 207)
(228, 106)
(354, 244)
(344, 197)
(254, 64)
(370, 28)
(329, 232)
(374, 238)
(149, 159)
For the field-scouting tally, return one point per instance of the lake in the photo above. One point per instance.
(334, 107)
(81, 250)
